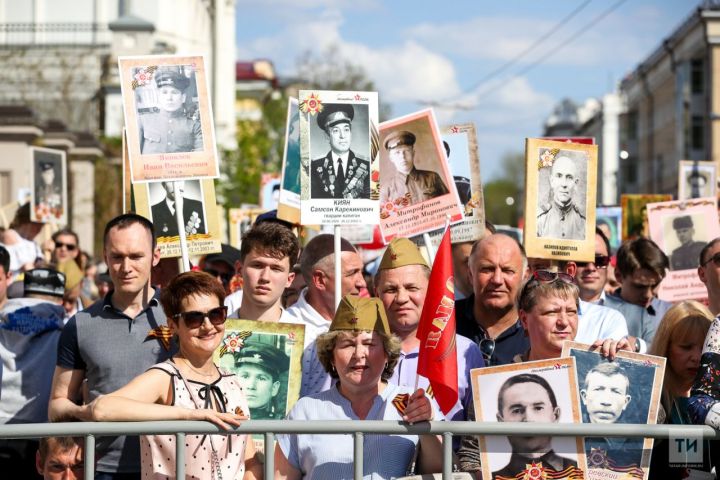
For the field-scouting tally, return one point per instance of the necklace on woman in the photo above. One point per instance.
(189, 365)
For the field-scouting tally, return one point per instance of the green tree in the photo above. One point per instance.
(505, 195)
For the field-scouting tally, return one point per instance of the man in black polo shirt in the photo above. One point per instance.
(498, 267)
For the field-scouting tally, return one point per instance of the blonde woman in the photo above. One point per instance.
(679, 338)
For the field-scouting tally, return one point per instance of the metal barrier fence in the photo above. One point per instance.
(269, 428)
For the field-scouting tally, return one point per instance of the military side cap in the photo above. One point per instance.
(264, 356)
(400, 137)
(73, 274)
(401, 252)
(360, 314)
(45, 166)
(44, 281)
(171, 76)
(335, 113)
(682, 222)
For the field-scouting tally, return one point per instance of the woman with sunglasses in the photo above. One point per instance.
(189, 386)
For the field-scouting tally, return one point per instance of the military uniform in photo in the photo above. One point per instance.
(166, 131)
(163, 218)
(687, 255)
(414, 187)
(339, 175)
(275, 363)
(48, 195)
(566, 223)
(551, 463)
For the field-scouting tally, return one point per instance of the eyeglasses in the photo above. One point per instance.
(546, 276)
(225, 277)
(487, 348)
(70, 247)
(715, 259)
(194, 319)
(601, 261)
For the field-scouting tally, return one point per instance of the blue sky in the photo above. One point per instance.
(439, 51)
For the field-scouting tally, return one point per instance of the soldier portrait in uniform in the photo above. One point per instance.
(409, 184)
(342, 172)
(261, 368)
(542, 391)
(164, 198)
(685, 256)
(696, 179)
(173, 125)
(49, 185)
(561, 213)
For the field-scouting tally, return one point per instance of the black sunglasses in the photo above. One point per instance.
(601, 261)
(225, 277)
(547, 276)
(715, 259)
(194, 319)
(487, 348)
(70, 247)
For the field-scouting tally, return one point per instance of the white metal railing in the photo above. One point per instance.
(269, 428)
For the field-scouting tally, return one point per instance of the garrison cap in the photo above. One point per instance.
(171, 76)
(682, 222)
(334, 114)
(45, 166)
(360, 314)
(401, 252)
(265, 356)
(44, 281)
(400, 137)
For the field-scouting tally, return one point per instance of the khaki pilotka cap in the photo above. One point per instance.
(401, 252)
(360, 314)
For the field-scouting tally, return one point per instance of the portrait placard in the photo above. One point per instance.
(417, 191)
(681, 229)
(48, 176)
(697, 179)
(460, 142)
(269, 191)
(157, 201)
(634, 213)
(625, 390)
(609, 220)
(291, 187)
(540, 391)
(338, 140)
(267, 359)
(241, 220)
(168, 117)
(560, 192)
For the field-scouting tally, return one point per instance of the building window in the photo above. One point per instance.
(632, 125)
(697, 76)
(697, 133)
(630, 171)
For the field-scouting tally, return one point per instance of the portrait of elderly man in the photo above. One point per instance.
(163, 212)
(171, 128)
(687, 255)
(341, 173)
(529, 398)
(561, 217)
(408, 185)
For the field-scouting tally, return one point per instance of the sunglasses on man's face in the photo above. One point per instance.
(715, 259)
(225, 277)
(601, 261)
(194, 319)
(70, 247)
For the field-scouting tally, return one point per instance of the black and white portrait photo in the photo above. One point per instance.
(165, 197)
(685, 236)
(340, 150)
(561, 199)
(544, 392)
(167, 110)
(625, 390)
(696, 179)
(49, 182)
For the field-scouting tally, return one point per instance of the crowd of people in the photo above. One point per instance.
(134, 339)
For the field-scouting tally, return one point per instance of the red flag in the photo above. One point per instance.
(437, 360)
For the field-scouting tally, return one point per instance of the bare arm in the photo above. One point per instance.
(66, 387)
(283, 469)
(430, 458)
(146, 398)
(253, 465)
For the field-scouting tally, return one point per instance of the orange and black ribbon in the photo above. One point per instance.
(401, 402)
(163, 334)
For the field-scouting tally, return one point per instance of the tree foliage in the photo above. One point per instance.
(509, 185)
